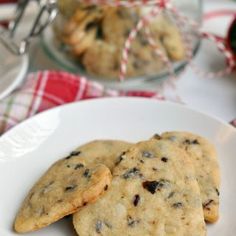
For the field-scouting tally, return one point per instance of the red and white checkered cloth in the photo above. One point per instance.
(48, 89)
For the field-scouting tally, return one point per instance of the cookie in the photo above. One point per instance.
(153, 192)
(107, 152)
(96, 37)
(67, 7)
(81, 30)
(204, 157)
(104, 59)
(168, 33)
(84, 43)
(117, 24)
(65, 187)
(142, 58)
(101, 60)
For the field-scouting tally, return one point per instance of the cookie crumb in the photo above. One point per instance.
(157, 136)
(177, 205)
(120, 158)
(147, 154)
(99, 226)
(131, 173)
(153, 186)
(74, 153)
(206, 204)
(132, 222)
(70, 188)
(136, 199)
(164, 159)
(171, 195)
(87, 173)
(105, 188)
(195, 141)
(78, 166)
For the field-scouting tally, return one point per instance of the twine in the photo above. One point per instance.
(158, 6)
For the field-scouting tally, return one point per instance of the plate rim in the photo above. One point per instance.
(104, 99)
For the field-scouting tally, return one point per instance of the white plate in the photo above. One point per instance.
(27, 150)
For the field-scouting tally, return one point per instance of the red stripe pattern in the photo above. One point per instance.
(48, 89)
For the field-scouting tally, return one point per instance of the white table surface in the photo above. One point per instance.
(216, 96)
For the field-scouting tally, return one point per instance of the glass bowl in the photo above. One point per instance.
(60, 51)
